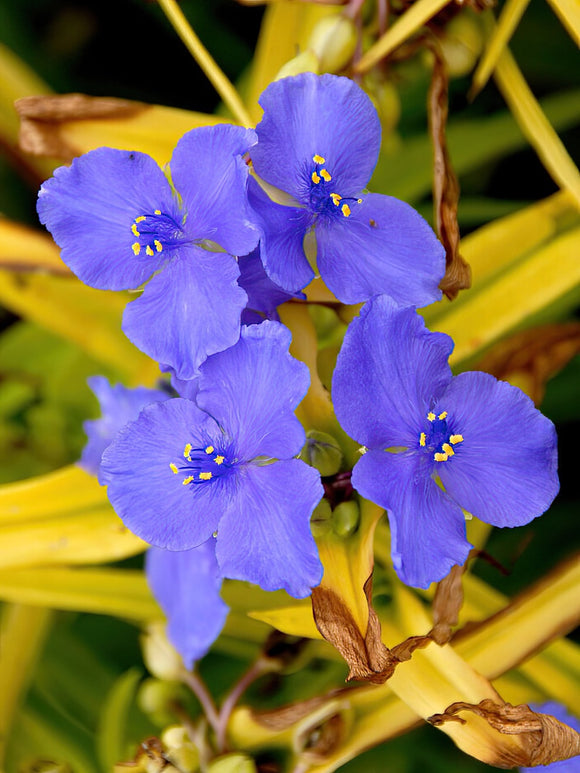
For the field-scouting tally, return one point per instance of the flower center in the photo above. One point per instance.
(202, 465)
(154, 233)
(437, 440)
(323, 198)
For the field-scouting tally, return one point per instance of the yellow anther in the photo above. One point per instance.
(448, 450)
(187, 450)
(430, 416)
(134, 230)
(140, 219)
(209, 450)
(442, 415)
(158, 245)
(335, 198)
(157, 211)
(345, 210)
(440, 457)
(422, 438)
(456, 439)
(318, 159)
(187, 480)
(205, 476)
(359, 201)
(136, 247)
(149, 251)
(315, 178)
(325, 175)
(173, 468)
(219, 459)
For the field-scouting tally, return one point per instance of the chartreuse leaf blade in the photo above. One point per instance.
(569, 13)
(114, 718)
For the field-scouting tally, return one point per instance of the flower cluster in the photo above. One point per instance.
(240, 222)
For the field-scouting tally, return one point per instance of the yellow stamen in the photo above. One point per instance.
(209, 450)
(187, 480)
(359, 201)
(140, 219)
(325, 175)
(422, 439)
(430, 416)
(205, 476)
(157, 211)
(456, 439)
(158, 245)
(136, 248)
(134, 230)
(173, 468)
(442, 415)
(448, 450)
(187, 451)
(149, 251)
(345, 210)
(440, 457)
(219, 459)
(335, 198)
(315, 178)
(318, 159)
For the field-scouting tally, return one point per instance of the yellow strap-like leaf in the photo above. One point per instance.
(410, 22)
(535, 126)
(569, 13)
(510, 17)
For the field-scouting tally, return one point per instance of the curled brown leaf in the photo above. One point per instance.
(446, 605)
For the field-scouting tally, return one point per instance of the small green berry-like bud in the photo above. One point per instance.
(160, 657)
(461, 44)
(232, 763)
(323, 452)
(345, 518)
(180, 750)
(333, 40)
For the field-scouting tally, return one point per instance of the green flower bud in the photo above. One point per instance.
(323, 452)
(155, 698)
(345, 518)
(461, 44)
(333, 40)
(321, 518)
(307, 61)
(160, 657)
(180, 749)
(232, 763)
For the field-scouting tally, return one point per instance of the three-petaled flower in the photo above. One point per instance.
(318, 142)
(222, 463)
(119, 222)
(435, 443)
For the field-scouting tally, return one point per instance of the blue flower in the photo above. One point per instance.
(223, 464)
(492, 452)
(119, 222)
(264, 296)
(572, 765)
(119, 406)
(318, 142)
(186, 585)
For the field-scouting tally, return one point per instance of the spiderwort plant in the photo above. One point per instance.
(318, 142)
(120, 223)
(220, 461)
(437, 444)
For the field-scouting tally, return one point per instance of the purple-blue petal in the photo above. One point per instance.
(283, 231)
(322, 115)
(188, 311)
(147, 493)
(427, 527)
(263, 294)
(252, 390)
(384, 246)
(91, 207)
(555, 709)
(389, 370)
(119, 405)
(505, 469)
(186, 585)
(265, 536)
(208, 170)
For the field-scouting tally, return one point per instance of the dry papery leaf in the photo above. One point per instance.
(447, 604)
(544, 738)
(41, 118)
(445, 185)
(533, 356)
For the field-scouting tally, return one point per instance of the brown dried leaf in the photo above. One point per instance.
(286, 716)
(545, 739)
(532, 357)
(41, 119)
(368, 658)
(446, 605)
(445, 185)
